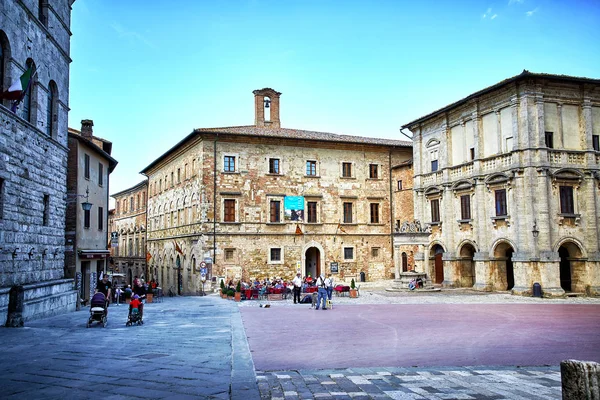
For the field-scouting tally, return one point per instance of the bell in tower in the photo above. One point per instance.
(266, 108)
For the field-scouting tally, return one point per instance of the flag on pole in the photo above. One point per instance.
(298, 230)
(177, 248)
(340, 228)
(148, 256)
(17, 90)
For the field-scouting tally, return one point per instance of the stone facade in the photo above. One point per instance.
(508, 180)
(33, 150)
(129, 224)
(88, 169)
(221, 195)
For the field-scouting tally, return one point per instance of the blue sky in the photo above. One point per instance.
(150, 71)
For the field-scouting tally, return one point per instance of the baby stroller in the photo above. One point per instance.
(98, 311)
(136, 315)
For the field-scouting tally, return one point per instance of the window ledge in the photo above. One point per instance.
(312, 176)
(569, 215)
(572, 218)
(349, 223)
(231, 172)
(375, 224)
(505, 218)
(374, 179)
(273, 174)
(276, 223)
(313, 223)
(347, 177)
(230, 223)
(464, 221)
(437, 223)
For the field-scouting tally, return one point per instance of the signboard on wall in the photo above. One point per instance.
(333, 267)
(293, 208)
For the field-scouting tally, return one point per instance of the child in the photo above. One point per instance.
(135, 305)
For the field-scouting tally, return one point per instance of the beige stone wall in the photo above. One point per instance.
(509, 126)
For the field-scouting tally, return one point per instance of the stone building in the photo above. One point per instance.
(263, 201)
(508, 180)
(33, 151)
(88, 168)
(129, 227)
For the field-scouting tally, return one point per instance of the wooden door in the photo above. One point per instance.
(439, 268)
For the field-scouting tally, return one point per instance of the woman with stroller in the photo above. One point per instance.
(105, 286)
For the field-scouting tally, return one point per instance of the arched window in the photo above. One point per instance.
(51, 107)
(25, 106)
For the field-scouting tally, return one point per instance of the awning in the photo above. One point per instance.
(92, 254)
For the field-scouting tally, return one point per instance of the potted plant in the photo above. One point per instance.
(353, 291)
(238, 291)
(230, 294)
(223, 289)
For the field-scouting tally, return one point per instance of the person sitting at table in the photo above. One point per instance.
(308, 280)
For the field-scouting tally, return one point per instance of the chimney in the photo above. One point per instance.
(266, 108)
(86, 128)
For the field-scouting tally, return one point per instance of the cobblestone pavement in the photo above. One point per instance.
(482, 383)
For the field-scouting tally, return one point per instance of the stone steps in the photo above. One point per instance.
(574, 294)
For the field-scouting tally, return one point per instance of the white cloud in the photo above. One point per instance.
(530, 13)
(488, 12)
(494, 16)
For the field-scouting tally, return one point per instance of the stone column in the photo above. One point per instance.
(550, 273)
(482, 272)
(580, 380)
(521, 267)
(451, 267)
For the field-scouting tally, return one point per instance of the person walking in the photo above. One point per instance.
(297, 281)
(322, 296)
(329, 284)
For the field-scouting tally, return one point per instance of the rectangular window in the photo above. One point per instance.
(347, 170)
(549, 138)
(567, 205)
(275, 208)
(46, 216)
(172, 179)
(311, 168)
(185, 171)
(100, 174)
(434, 165)
(86, 166)
(86, 219)
(229, 164)
(131, 204)
(311, 211)
(596, 142)
(374, 252)
(100, 218)
(274, 166)
(348, 253)
(465, 207)
(373, 171)
(374, 213)
(275, 254)
(501, 203)
(400, 185)
(435, 210)
(472, 151)
(347, 213)
(229, 210)
(178, 175)
(229, 254)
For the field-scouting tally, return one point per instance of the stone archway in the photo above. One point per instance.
(466, 266)
(503, 275)
(571, 267)
(435, 255)
(313, 257)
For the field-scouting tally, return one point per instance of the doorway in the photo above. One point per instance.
(438, 264)
(313, 262)
(565, 269)
(504, 270)
(467, 266)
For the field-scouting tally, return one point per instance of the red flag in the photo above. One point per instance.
(298, 230)
(340, 228)
(148, 256)
(177, 248)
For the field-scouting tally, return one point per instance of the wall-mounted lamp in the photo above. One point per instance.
(86, 205)
(535, 230)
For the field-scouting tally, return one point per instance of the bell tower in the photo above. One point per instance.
(266, 108)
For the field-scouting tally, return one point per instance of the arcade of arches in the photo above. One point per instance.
(566, 272)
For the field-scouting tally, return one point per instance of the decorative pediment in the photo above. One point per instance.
(433, 191)
(432, 143)
(498, 180)
(463, 185)
(567, 176)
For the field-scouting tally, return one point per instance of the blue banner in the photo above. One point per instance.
(293, 208)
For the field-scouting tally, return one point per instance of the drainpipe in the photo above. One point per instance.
(215, 201)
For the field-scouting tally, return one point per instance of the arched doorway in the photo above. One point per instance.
(438, 265)
(504, 266)
(178, 276)
(312, 263)
(404, 262)
(572, 267)
(467, 266)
